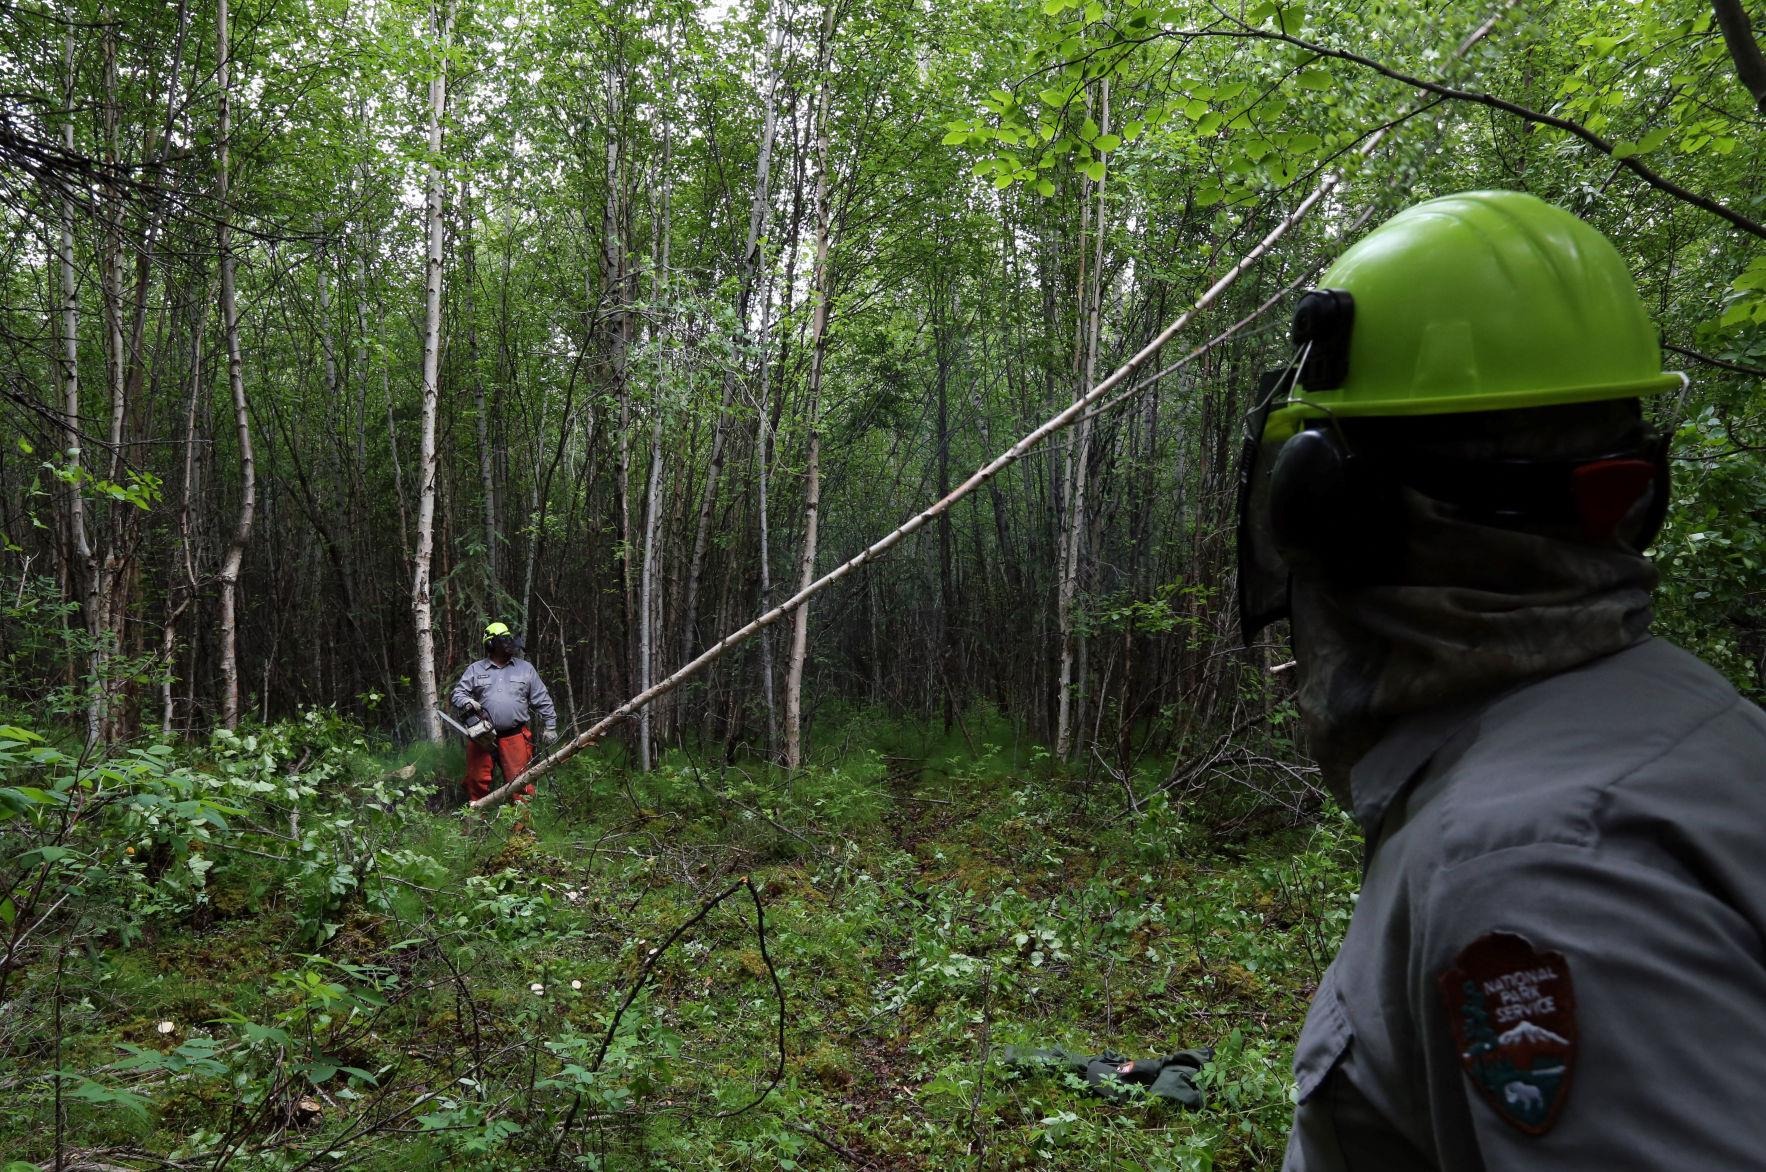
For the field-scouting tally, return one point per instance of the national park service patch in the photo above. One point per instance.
(1513, 1013)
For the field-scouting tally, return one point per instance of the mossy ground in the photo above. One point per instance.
(923, 909)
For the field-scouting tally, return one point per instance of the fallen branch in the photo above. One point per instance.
(844, 1153)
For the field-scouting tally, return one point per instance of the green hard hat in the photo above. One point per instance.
(496, 630)
(1484, 301)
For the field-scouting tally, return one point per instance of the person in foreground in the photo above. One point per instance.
(506, 691)
(1558, 956)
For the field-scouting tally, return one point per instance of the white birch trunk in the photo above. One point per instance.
(812, 488)
(427, 463)
(763, 440)
(653, 488)
(757, 218)
(78, 538)
(486, 473)
(1068, 714)
(235, 553)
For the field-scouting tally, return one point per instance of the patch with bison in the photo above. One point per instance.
(1512, 1009)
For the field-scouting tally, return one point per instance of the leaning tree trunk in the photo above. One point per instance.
(235, 555)
(421, 611)
(812, 489)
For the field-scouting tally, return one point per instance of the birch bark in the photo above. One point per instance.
(757, 217)
(486, 473)
(78, 538)
(421, 606)
(1070, 704)
(235, 554)
(653, 487)
(812, 489)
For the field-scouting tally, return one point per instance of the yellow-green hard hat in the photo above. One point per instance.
(495, 630)
(1484, 301)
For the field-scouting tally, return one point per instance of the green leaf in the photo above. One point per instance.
(956, 138)
(1094, 12)
(1095, 171)
(1209, 196)
(1044, 187)
(1088, 130)
(1133, 131)
(1315, 79)
(1108, 142)
(8, 911)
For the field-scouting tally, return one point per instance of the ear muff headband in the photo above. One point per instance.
(1323, 323)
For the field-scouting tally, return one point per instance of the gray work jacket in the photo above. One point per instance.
(1613, 820)
(507, 693)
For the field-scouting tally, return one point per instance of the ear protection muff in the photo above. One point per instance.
(1333, 514)
(1611, 492)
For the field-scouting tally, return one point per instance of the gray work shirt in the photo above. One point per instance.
(507, 693)
(1614, 815)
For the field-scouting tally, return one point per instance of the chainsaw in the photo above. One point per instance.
(479, 732)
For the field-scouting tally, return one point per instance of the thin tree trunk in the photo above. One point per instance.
(235, 554)
(1070, 713)
(109, 564)
(763, 439)
(653, 489)
(486, 474)
(757, 214)
(184, 556)
(812, 489)
(941, 346)
(1738, 35)
(426, 461)
(78, 539)
(613, 265)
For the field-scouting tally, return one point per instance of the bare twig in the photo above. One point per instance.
(1722, 363)
(650, 962)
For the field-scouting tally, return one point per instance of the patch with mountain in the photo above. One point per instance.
(1512, 1009)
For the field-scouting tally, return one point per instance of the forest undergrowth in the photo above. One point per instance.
(284, 951)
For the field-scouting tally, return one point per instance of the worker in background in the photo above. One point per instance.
(507, 692)
(1558, 955)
